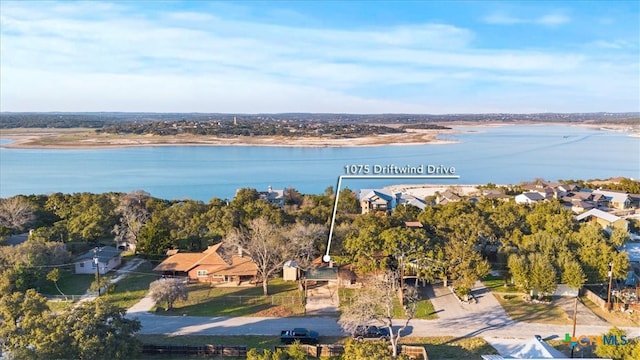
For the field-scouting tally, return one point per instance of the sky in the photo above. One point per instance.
(365, 57)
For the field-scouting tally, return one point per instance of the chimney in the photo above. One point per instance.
(239, 251)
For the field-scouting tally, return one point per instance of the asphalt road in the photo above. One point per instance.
(485, 319)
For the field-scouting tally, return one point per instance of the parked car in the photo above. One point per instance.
(304, 336)
(370, 332)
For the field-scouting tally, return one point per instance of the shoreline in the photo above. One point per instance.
(87, 139)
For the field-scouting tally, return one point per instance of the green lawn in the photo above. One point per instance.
(133, 287)
(424, 309)
(438, 348)
(519, 310)
(498, 285)
(70, 284)
(284, 299)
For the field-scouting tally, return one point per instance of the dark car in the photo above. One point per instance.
(370, 332)
(304, 336)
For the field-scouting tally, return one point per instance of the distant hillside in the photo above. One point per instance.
(129, 121)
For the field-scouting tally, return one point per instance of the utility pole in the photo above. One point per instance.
(97, 263)
(609, 291)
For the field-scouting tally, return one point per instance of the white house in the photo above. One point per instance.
(106, 257)
(529, 198)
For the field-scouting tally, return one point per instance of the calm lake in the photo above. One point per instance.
(501, 155)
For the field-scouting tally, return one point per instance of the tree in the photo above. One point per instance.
(133, 214)
(268, 246)
(519, 269)
(366, 350)
(616, 351)
(16, 212)
(168, 290)
(23, 317)
(292, 352)
(92, 330)
(99, 330)
(573, 275)
(348, 202)
(375, 303)
(154, 238)
(54, 276)
(542, 274)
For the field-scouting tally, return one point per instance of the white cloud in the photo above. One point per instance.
(550, 19)
(187, 61)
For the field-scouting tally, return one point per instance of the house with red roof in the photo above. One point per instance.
(211, 266)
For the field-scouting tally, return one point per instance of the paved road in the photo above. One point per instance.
(485, 319)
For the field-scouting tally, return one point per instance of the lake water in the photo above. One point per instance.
(501, 155)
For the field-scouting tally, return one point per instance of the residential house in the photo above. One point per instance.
(407, 199)
(272, 196)
(105, 258)
(211, 266)
(529, 198)
(495, 194)
(377, 200)
(615, 199)
(384, 200)
(604, 219)
(447, 197)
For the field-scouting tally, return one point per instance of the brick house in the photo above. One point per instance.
(210, 266)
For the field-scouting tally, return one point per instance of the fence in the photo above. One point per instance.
(274, 300)
(72, 298)
(219, 350)
(251, 299)
(595, 298)
(330, 350)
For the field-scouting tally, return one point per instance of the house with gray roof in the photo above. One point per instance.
(105, 258)
(615, 199)
(604, 219)
(377, 200)
(529, 198)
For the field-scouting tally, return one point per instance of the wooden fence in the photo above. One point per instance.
(595, 298)
(219, 350)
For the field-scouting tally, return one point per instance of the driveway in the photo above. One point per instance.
(322, 300)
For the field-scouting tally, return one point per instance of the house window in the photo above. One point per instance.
(81, 264)
(202, 273)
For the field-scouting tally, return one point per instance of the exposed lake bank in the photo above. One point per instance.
(83, 138)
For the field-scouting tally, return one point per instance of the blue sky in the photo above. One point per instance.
(320, 56)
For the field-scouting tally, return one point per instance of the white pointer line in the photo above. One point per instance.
(327, 257)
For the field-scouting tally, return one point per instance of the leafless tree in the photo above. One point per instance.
(16, 212)
(168, 290)
(309, 237)
(375, 303)
(133, 215)
(268, 246)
